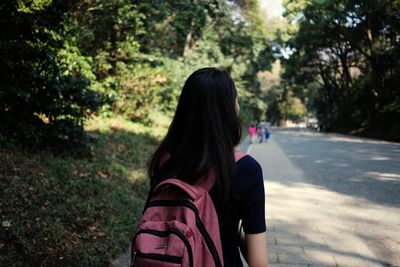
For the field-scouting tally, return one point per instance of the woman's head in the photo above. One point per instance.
(203, 132)
(208, 104)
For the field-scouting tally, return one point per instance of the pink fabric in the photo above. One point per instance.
(252, 131)
(170, 245)
(182, 219)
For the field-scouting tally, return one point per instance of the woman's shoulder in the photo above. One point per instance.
(248, 162)
(249, 177)
(248, 167)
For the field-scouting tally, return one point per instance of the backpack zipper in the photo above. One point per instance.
(163, 234)
(209, 242)
(159, 257)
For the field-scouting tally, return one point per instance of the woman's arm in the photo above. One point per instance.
(256, 250)
(253, 211)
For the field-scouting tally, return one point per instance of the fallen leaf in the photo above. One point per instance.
(36, 169)
(121, 147)
(102, 174)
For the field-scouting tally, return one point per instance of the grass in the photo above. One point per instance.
(64, 210)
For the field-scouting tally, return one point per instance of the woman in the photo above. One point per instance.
(201, 137)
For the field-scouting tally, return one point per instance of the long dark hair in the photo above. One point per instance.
(203, 132)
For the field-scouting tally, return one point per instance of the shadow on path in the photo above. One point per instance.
(358, 167)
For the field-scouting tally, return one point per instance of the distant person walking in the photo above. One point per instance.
(267, 132)
(252, 132)
(261, 132)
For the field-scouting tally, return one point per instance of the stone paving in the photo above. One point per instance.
(309, 225)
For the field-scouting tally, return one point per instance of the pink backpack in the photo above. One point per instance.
(179, 227)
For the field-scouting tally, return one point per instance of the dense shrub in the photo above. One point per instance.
(38, 103)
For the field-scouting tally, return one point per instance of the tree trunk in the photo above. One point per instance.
(114, 38)
(189, 37)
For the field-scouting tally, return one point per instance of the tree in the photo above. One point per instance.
(38, 103)
(344, 49)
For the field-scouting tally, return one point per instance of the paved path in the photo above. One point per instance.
(331, 200)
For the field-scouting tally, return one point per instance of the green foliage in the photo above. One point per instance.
(40, 103)
(119, 50)
(140, 68)
(139, 92)
(285, 106)
(64, 55)
(185, 20)
(32, 6)
(345, 50)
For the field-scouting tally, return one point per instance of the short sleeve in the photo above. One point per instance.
(252, 197)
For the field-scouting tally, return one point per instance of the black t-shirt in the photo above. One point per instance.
(248, 206)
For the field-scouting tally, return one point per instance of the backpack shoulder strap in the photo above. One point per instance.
(188, 189)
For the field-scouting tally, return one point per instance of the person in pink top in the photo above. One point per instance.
(252, 132)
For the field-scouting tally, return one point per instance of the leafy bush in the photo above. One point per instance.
(39, 104)
(139, 90)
